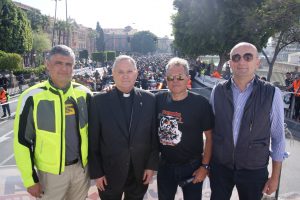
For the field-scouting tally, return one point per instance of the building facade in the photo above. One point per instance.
(79, 37)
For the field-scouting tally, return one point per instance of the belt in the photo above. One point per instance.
(72, 162)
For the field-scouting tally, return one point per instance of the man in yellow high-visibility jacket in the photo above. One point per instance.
(50, 130)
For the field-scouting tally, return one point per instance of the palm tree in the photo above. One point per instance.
(61, 31)
(45, 23)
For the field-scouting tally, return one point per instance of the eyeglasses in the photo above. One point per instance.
(237, 57)
(179, 77)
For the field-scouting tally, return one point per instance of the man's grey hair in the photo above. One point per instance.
(124, 57)
(62, 50)
(178, 62)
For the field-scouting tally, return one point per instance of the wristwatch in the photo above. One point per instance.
(205, 166)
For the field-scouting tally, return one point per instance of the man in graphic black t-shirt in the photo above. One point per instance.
(183, 116)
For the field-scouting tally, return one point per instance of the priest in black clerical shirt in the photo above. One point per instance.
(123, 143)
(126, 100)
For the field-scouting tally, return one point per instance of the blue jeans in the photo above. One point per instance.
(170, 175)
(6, 108)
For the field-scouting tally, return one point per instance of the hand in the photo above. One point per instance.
(200, 174)
(35, 190)
(270, 186)
(109, 88)
(101, 183)
(148, 173)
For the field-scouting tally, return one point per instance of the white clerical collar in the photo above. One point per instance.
(126, 94)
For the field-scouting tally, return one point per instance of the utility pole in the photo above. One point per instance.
(67, 25)
(53, 31)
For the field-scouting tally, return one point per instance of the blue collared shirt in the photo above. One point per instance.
(276, 117)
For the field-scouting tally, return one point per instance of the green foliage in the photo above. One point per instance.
(45, 23)
(212, 27)
(111, 55)
(99, 57)
(35, 18)
(62, 29)
(10, 61)
(29, 70)
(84, 54)
(144, 42)
(41, 42)
(100, 44)
(281, 20)
(15, 31)
(2, 53)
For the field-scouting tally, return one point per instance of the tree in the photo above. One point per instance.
(99, 57)
(10, 61)
(62, 31)
(281, 18)
(45, 23)
(15, 31)
(38, 21)
(203, 27)
(35, 18)
(84, 54)
(111, 55)
(144, 42)
(41, 43)
(100, 44)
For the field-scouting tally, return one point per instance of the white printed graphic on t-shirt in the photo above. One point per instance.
(168, 131)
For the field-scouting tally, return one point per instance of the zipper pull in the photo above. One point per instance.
(250, 128)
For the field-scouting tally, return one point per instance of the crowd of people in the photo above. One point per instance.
(150, 74)
(292, 84)
(122, 136)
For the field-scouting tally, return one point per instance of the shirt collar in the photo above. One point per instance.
(249, 85)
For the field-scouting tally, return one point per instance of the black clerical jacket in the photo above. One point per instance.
(112, 146)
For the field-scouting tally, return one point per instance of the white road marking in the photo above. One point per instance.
(3, 122)
(5, 136)
(6, 119)
(7, 159)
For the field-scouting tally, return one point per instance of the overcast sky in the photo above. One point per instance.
(152, 15)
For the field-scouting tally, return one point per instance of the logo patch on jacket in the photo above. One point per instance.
(70, 109)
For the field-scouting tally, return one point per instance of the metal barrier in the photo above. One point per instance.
(290, 111)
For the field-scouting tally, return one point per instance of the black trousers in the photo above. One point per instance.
(132, 190)
(249, 183)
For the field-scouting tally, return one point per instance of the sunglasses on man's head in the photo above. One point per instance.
(179, 77)
(237, 57)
